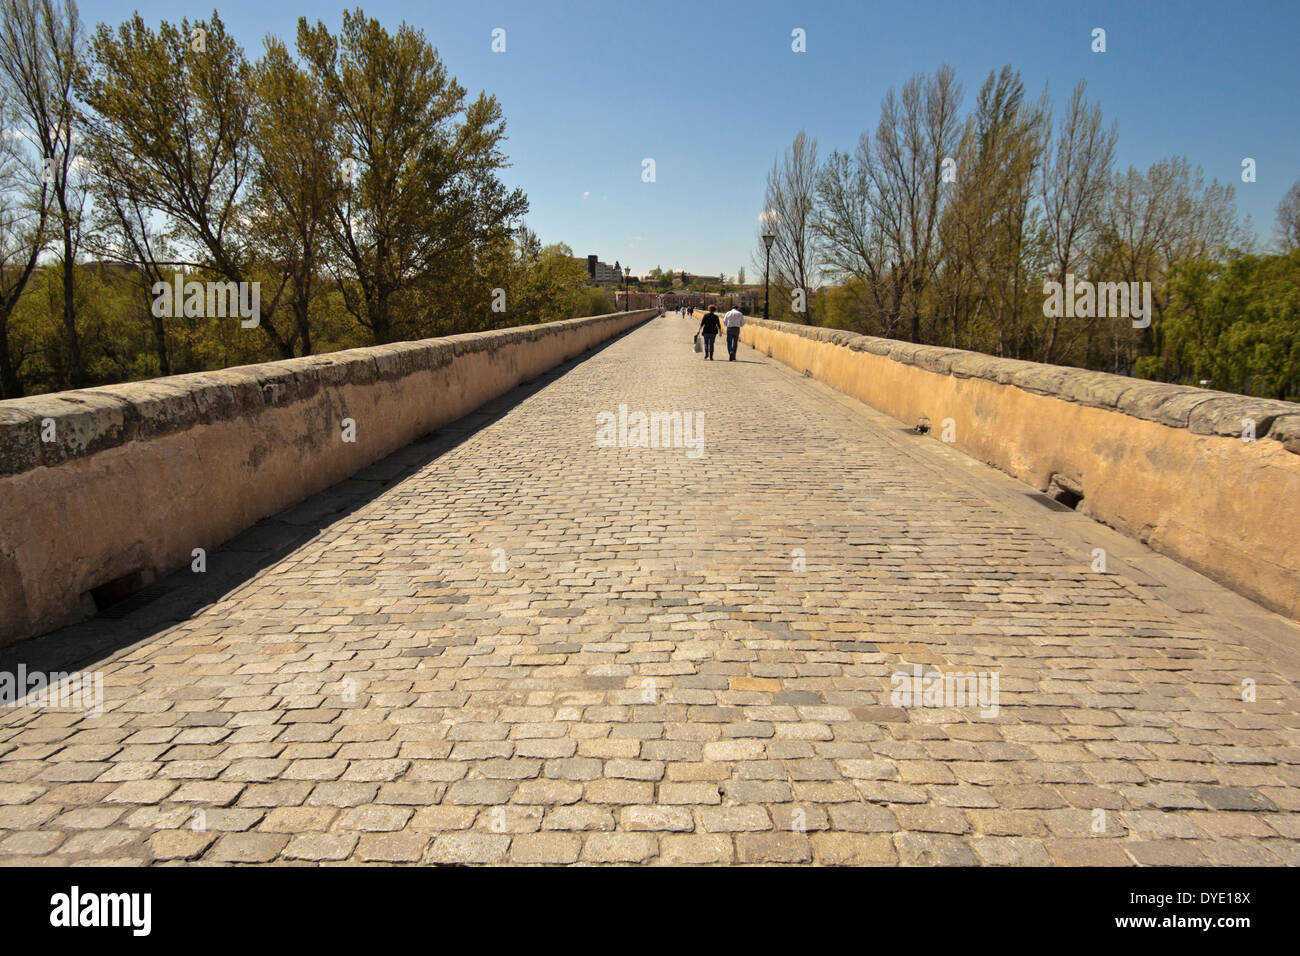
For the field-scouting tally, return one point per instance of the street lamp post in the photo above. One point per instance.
(627, 295)
(768, 239)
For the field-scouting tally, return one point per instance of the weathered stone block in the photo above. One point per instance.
(1286, 429)
(1227, 415)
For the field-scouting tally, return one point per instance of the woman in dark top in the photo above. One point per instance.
(709, 327)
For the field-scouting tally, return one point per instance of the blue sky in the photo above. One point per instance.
(712, 92)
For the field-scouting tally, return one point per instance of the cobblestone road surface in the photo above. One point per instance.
(511, 644)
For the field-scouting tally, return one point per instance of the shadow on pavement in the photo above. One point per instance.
(180, 595)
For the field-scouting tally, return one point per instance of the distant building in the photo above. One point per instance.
(692, 279)
(638, 300)
(599, 273)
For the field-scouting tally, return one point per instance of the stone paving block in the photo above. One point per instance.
(443, 818)
(579, 818)
(468, 847)
(1085, 851)
(374, 817)
(141, 791)
(1164, 852)
(26, 816)
(673, 819)
(689, 793)
(297, 819)
(732, 819)
(620, 848)
(545, 848)
(481, 792)
(773, 848)
(680, 849)
(321, 847)
(853, 849)
(404, 847)
(926, 849)
(248, 847)
(30, 842)
(179, 844)
(932, 819)
(81, 818)
(863, 818)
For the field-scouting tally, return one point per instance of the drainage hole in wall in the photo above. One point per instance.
(1068, 498)
(117, 590)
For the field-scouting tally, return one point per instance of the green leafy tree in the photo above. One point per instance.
(171, 126)
(1236, 325)
(296, 181)
(423, 195)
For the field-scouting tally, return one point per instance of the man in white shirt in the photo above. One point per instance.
(733, 320)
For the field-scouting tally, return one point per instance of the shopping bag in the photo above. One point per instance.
(699, 346)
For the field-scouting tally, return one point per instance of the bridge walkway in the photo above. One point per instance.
(525, 641)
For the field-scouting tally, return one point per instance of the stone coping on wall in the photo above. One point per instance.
(1199, 410)
(92, 419)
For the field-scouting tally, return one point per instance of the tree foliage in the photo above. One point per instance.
(946, 229)
(348, 175)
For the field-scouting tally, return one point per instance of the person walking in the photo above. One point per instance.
(733, 320)
(709, 328)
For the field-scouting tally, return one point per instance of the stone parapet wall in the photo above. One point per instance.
(1166, 464)
(121, 483)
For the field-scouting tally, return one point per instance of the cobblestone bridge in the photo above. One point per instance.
(523, 641)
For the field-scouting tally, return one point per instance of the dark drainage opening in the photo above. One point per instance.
(1068, 498)
(117, 590)
(1065, 490)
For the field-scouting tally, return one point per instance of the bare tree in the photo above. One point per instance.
(24, 211)
(878, 211)
(849, 226)
(41, 47)
(988, 241)
(1288, 218)
(1158, 219)
(788, 208)
(124, 230)
(1074, 182)
(1170, 215)
(917, 131)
